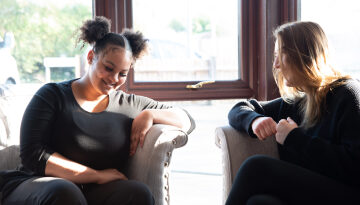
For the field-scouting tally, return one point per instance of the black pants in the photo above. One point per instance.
(264, 180)
(57, 191)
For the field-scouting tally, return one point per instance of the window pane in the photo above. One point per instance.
(188, 40)
(35, 34)
(40, 34)
(340, 23)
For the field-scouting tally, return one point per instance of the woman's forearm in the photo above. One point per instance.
(59, 166)
(173, 116)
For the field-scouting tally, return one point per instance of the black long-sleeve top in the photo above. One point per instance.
(331, 147)
(54, 122)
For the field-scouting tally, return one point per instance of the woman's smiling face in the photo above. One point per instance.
(108, 70)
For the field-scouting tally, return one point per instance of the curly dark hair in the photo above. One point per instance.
(97, 32)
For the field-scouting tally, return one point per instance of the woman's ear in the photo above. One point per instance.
(90, 57)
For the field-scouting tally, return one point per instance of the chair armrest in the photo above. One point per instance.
(9, 157)
(236, 147)
(151, 163)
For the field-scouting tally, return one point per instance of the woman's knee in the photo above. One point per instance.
(255, 169)
(253, 177)
(256, 163)
(142, 193)
(46, 190)
(126, 192)
(61, 191)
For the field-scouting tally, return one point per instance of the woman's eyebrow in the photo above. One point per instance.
(112, 64)
(107, 61)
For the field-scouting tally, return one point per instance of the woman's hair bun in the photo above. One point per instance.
(94, 29)
(137, 42)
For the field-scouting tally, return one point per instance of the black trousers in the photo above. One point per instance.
(56, 191)
(264, 180)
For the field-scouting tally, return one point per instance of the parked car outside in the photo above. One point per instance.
(9, 73)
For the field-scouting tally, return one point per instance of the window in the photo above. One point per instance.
(37, 45)
(188, 41)
(255, 21)
(205, 50)
(340, 23)
(241, 83)
(32, 31)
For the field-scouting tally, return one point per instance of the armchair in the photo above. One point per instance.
(236, 147)
(150, 164)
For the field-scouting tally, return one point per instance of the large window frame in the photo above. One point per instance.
(258, 20)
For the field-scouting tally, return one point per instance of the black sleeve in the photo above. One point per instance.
(36, 128)
(338, 156)
(244, 113)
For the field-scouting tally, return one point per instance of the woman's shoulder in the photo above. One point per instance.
(348, 85)
(352, 84)
(57, 85)
(128, 97)
(137, 100)
(122, 96)
(349, 89)
(54, 90)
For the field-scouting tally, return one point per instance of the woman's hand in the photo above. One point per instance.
(143, 122)
(264, 127)
(108, 175)
(283, 128)
(59, 166)
(140, 126)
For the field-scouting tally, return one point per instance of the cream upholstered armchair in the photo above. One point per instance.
(236, 147)
(150, 164)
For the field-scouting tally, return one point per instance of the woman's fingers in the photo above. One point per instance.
(260, 134)
(133, 144)
(264, 127)
(142, 139)
(134, 140)
(140, 126)
(122, 176)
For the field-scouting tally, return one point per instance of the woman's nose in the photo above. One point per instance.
(276, 62)
(114, 78)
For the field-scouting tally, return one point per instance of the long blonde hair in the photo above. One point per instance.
(306, 47)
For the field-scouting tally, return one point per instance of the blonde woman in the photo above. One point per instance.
(315, 122)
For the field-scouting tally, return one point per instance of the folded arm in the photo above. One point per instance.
(59, 166)
(143, 122)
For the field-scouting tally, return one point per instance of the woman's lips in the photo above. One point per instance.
(108, 85)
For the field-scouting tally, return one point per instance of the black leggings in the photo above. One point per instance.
(264, 180)
(57, 191)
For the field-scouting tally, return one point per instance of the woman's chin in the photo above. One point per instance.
(106, 91)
